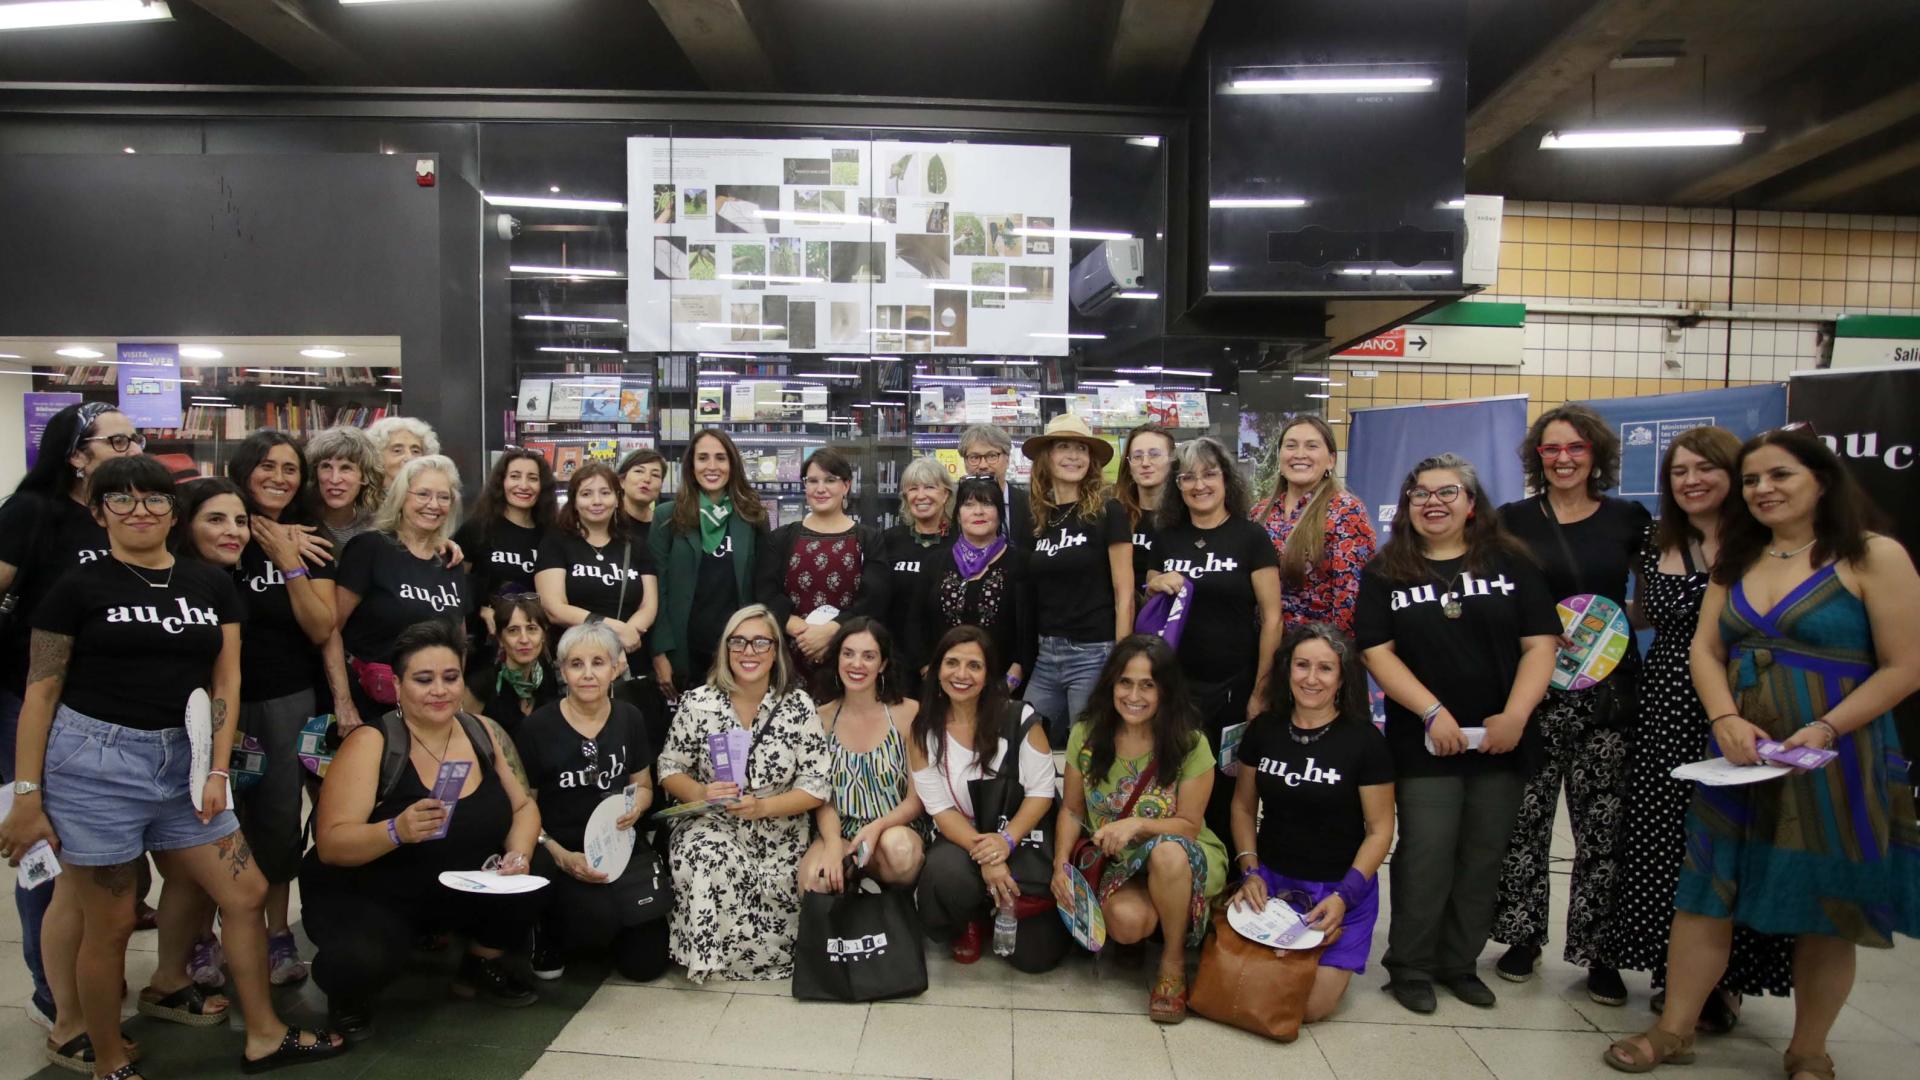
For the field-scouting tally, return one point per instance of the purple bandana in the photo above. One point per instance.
(970, 560)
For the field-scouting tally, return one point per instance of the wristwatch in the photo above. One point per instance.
(24, 787)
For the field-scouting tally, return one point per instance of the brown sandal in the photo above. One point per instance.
(1818, 1065)
(1667, 1049)
(1168, 1002)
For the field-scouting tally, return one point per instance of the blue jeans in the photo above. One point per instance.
(1062, 681)
(31, 902)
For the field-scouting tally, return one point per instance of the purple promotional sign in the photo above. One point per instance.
(39, 408)
(150, 385)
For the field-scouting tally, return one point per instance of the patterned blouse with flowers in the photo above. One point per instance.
(1333, 581)
(1105, 802)
(824, 570)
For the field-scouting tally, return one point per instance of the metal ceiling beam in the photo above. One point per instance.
(1796, 150)
(1846, 181)
(720, 41)
(1152, 43)
(283, 28)
(1601, 33)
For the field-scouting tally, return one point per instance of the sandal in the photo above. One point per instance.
(1667, 1049)
(1820, 1066)
(293, 1052)
(187, 1005)
(1168, 1002)
(124, 1072)
(76, 1054)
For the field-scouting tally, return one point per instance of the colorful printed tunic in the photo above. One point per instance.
(1333, 581)
(1206, 855)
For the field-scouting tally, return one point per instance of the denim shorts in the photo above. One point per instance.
(113, 792)
(1061, 682)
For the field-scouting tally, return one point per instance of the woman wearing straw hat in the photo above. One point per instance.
(1081, 569)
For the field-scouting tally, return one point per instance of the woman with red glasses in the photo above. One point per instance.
(1586, 543)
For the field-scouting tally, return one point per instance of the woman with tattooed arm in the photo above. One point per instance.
(103, 762)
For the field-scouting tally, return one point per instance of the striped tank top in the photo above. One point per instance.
(867, 786)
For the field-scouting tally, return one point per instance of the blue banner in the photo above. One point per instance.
(1647, 426)
(1385, 442)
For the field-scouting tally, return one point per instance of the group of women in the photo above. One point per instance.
(900, 695)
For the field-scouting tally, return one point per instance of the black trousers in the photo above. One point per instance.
(582, 917)
(1221, 705)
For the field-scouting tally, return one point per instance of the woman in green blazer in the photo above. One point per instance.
(705, 544)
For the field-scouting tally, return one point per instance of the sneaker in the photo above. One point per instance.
(1414, 995)
(40, 1011)
(1605, 986)
(1470, 989)
(284, 966)
(204, 966)
(1518, 963)
(966, 944)
(548, 963)
(490, 978)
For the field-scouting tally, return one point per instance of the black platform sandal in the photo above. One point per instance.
(76, 1054)
(292, 1052)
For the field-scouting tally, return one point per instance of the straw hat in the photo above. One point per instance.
(1068, 427)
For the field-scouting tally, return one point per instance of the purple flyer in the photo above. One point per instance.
(446, 789)
(149, 377)
(38, 409)
(729, 751)
(1800, 757)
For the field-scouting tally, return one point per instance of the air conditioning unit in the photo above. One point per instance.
(1113, 267)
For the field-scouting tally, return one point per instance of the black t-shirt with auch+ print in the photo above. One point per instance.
(572, 774)
(1468, 663)
(1221, 638)
(594, 573)
(277, 657)
(67, 536)
(1072, 577)
(500, 556)
(1145, 533)
(139, 651)
(396, 590)
(1311, 820)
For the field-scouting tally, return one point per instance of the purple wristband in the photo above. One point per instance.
(393, 831)
(1352, 887)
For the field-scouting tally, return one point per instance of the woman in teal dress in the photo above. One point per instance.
(1808, 635)
(1132, 817)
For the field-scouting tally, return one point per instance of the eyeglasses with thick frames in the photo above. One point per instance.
(1445, 494)
(758, 646)
(121, 503)
(1578, 451)
(120, 444)
(985, 457)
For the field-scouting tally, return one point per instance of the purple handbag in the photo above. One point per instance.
(1165, 614)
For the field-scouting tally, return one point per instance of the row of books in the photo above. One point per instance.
(206, 380)
(293, 417)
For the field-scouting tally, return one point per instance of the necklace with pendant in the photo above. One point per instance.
(1308, 736)
(1449, 599)
(1795, 551)
(161, 584)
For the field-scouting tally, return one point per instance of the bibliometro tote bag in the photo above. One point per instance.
(863, 944)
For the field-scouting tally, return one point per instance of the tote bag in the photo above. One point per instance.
(1251, 986)
(863, 944)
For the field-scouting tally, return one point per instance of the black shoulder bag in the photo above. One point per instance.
(1615, 698)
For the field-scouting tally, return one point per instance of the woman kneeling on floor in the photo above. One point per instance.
(371, 885)
(735, 870)
(1139, 775)
(1318, 778)
(580, 751)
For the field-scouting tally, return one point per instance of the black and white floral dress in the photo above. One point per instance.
(1670, 729)
(738, 905)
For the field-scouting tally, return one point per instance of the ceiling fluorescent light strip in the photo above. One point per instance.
(570, 318)
(909, 333)
(739, 326)
(1073, 234)
(1343, 84)
(542, 202)
(967, 287)
(564, 271)
(50, 13)
(772, 279)
(724, 356)
(1654, 139)
(579, 349)
(1251, 202)
(1068, 336)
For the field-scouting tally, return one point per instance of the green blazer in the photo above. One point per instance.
(676, 558)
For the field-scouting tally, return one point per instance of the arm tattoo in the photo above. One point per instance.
(233, 850)
(118, 880)
(219, 714)
(509, 751)
(47, 656)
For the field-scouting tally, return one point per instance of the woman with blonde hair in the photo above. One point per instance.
(926, 500)
(1319, 528)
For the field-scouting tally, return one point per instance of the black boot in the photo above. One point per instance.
(491, 979)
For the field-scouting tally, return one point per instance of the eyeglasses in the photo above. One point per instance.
(989, 457)
(1445, 494)
(1142, 457)
(759, 646)
(437, 498)
(1574, 450)
(1208, 476)
(120, 444)
(120, 503)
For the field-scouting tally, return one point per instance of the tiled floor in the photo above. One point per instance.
(986, 1021)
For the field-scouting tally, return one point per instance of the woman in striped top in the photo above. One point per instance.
(875, 814)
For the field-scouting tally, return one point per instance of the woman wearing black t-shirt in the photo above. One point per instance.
(1233, 624)
(1146, 464)
(1456, 625)
(926, 495)
(1316, 777)
(521, 678)
(591, 570)
(579, 752)
(1082, 569)
(641, 474)
(391, 578)
(705, 552)
(980, 579)
(1584, 542)
(119, 647)
(502, 538)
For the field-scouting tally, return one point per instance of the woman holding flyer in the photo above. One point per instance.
(121, 646)
(1809, 635)
(748, 752)
(1139, 775)
(386, 828)
(1315, 757)
(579, 752)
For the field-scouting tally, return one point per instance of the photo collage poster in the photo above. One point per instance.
(801, 245)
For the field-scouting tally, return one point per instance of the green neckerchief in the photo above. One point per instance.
(714, 515)
(523, 686)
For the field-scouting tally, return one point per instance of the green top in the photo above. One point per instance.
(1105, 800)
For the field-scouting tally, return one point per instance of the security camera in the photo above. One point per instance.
(507, 226)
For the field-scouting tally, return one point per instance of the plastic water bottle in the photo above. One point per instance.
(1005, 929)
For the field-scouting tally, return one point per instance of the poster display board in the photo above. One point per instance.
(1387, 441)
(1647, 425)
(803, 245)
(149, 382)
(39, 409)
